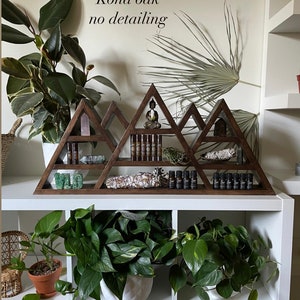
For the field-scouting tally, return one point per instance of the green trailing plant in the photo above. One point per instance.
(36, 86)
(42, 241)
(226, 257)
(192, 77)
(110, 245)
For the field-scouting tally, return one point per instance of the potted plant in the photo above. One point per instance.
(112, 246)
(221, 258)
(46, 270)
(36, 85)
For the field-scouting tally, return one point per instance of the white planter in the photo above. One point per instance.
(213, 294)
(136, 288)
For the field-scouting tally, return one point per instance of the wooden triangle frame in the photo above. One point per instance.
(102, 134)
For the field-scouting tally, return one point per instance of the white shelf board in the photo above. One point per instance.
(285, 180)
(287, 19)
(289, 101)
(17, 195)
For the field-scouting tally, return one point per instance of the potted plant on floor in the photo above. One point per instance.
(222, 258)
(36, 85)
(112, 246)
(47, 269)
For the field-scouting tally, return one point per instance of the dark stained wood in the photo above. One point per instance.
(102, 134)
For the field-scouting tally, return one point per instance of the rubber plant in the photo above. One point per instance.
(36, 86)
(111, 245)
(224, 257)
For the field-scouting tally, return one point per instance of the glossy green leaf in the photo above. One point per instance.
(14, 36)
(78, 76)
(232, 241)
(123, 253)
(89, 94)
(142, 266)
(62, 85)
(54, 12)
(74, 50)
(115, 282)
(177, 278)
(142, 226)
(224, 288)
(53, 45)
(48, 222)
(24, 103)
(14, 67)
(112, 235)
(162, 251)
(201, 293)
(194, 253)
(13, 14)
(104, 264)
(208, 275)
(89, 281)
(105, 81)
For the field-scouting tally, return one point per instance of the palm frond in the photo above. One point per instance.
(201, 74)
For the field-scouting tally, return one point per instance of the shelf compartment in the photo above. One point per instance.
(287, 19)
(289, 101)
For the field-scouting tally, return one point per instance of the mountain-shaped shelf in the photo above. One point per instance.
(219, 128)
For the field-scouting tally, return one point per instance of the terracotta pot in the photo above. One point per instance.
(298, 79)
(44, 284)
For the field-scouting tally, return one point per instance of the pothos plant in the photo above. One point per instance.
(111, 245)
(36, 86)
(225, 257)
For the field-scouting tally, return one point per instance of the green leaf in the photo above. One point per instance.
(208, 275)
(116, 282)
(177, 278)
(78, 76)
(123, 253)
(253, 295)
(142, 226)
(194, 253)
(62, 85)
(232, 241)
(242, 273)
(89, 281)
(14, 36)
(31, 297)
(53, 12)
(105, 81)
(89, 94)
(105, 265)
(53, 45)
(162, 251)
(224, 288)
(13, 14)
(14, 67)
(201, 293)
(112, 235)
(74, 50)
(142, 267)
(25, 103)
(48, 222)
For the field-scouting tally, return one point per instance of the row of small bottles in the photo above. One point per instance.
(183, 180)
(232, 181)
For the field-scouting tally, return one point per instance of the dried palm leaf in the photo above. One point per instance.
(202, 78)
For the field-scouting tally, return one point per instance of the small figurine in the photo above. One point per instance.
(152, 117)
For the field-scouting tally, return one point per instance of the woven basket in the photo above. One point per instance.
(6, 141)
(11, 284)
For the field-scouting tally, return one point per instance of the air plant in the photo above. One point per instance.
(202, 79)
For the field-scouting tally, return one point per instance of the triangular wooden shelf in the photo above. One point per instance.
(103, 134)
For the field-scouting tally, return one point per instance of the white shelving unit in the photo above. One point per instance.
(272, 216)
(282, 102)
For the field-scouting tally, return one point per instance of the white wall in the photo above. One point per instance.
(118, 50)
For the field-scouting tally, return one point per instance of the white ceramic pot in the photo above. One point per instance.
(213, 294)
(136, 288)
